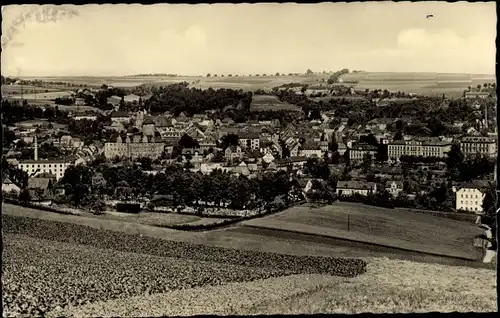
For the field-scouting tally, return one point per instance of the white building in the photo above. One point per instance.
(56, 167)
(358, 152)
(311, 150)
(424, 148)
(470, 198)
(89, 115)
(249, 140)
(478, 145)
(348, 188)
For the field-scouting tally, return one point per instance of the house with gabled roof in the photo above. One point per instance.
(233, 152)
(227, 121)
(120, 117)
(241, 169)
(349, 188)
(310, 150)
(249, 140)
(253, 156)
(380, 123)
(8, 186)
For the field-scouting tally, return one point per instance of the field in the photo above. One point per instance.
(65, 269)
(387, 227)
(265, 103)
(154, 218)
(49, 265)
(253, 238)
(382, 289)
(419, 83)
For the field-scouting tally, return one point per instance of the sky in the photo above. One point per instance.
(116, 40)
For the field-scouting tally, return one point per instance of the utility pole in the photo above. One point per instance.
(348, 223)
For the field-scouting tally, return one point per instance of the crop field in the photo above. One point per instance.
(50, 265)
(388, 227)
(266, 102)
(388, 286)
(42, 96)
(17, 89)
(419, 83)
(61, 269)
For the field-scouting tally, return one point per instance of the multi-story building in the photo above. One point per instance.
(55, 167)
(310, 150)
(134, 149)
(249, 140)
(473, 95)
(470, 198)
(478, 145)
(120, 117)
(424, 148)
(358, 151)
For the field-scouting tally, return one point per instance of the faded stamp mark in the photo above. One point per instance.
(41, 14)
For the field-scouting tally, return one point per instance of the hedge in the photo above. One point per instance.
(211, 226)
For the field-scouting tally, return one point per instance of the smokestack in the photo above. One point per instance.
(36, 149)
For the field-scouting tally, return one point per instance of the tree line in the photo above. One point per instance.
(86, 186)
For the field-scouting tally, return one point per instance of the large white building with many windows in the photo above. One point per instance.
(56, 167)
(425, 148)
(478, 145)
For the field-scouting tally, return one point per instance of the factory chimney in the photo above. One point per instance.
(36, 149)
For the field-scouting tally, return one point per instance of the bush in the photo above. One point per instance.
(25, 196)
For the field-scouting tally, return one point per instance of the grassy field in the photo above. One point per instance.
(42, 96)
(248, 238)
(388, 286)
(155, 219)
(388, 227)
(266, 102)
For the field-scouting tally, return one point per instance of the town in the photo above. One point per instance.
(249, 159)
(203, 150)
